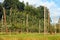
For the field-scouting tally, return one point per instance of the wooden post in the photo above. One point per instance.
(10, 18)
(10, 14)
(49, 23)
(4, 19)
(59, 27)
(55, 28)
(2, 23)
(39, 26)
(44, 21)
(27, 23)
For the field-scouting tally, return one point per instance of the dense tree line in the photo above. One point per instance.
(23, 18)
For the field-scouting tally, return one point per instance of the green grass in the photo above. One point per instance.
(29, 36)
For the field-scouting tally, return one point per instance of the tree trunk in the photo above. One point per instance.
(55, 28)
(44, 21)
(50, 29)
(23, 23)
(39, 26)
(27, 23)
(4, 20)
(10, 17)
(10, 14)
(59, 27)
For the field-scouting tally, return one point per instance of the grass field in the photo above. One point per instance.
(29, 36)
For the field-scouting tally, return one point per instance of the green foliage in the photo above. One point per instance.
(8, 4)
(20, 6)
(40, 11)
(17, 20)
(1, 11)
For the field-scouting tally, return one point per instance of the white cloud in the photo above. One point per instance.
(32, 2)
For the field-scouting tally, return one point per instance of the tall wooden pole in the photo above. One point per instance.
(27, 23)
(10, 14)
(50, 28)
(10, 17)
(39, 26)
(55, 28)
(48, 20)
(4, 19)
(44, 20)
(2, 22)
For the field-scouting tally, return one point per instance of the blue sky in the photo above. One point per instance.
(1, 0)
(52, 5)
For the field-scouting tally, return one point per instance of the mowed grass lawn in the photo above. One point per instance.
(29, 36)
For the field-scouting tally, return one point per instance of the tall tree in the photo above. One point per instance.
(40, 16)
(46, 19)
(43, 13)
(4, 20)
(1, 11)
(9, 4)
(20, 6)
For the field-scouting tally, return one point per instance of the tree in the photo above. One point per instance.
(1, 11)
(46, 19)
(43, 13)
(40, 16)
(8, 5)
(21, 17)
(20, 6)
